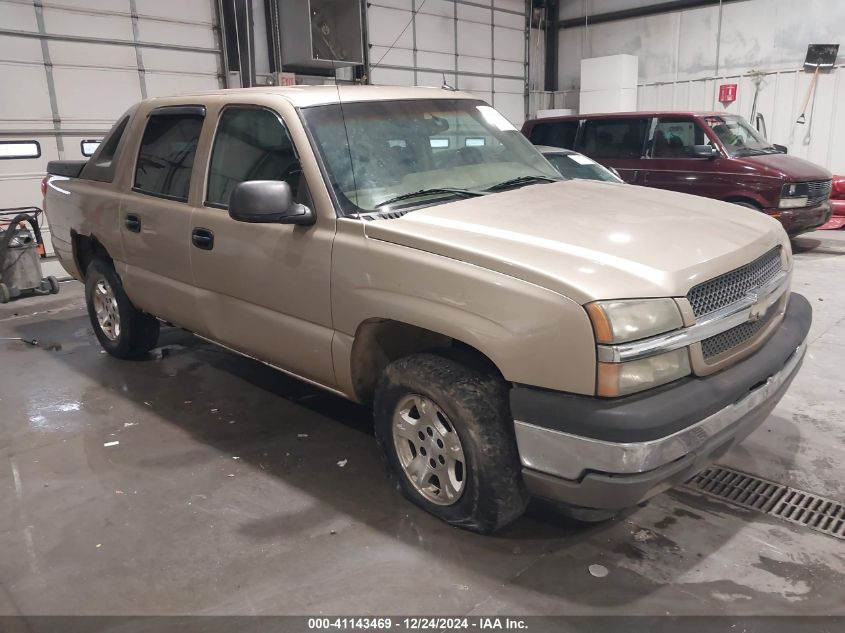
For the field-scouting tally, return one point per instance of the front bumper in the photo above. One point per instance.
(611, 454)
(797, 221)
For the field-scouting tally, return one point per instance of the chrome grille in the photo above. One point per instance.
(742, 333)
(729, 288)
(818, 192)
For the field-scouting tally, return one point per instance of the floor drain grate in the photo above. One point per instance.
(812, 511)
(738, 488)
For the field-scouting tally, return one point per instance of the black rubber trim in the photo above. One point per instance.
(67, 168)
(666, 410)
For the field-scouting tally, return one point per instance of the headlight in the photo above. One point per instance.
(794, 195)
(621, 379)
(631, 320)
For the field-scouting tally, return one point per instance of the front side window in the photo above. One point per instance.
(738, 137)
(167, 152)
(676, 139)
(398, 148)
(613, 138)
(251, 144)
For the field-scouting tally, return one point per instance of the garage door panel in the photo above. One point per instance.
(111, 6)
(20, 49)
(475, 84)
(438, 61)
(509, 20)
(514, 69)
(387, 24)
(29, 100)
(392, 4)
(513, 86)
(435, 33)
(474, 14)
(437, 7)
(175, 33)
(391, 57)
(434, 80)
(470, 64)
(509, 44)
(91, 95)
(180, 61)
(60, 22)
(510, 5)
(512, 106)
(392, 77)
(161, 84)
(196, 11)
(20, 17)
(475, 39)
(84, 54)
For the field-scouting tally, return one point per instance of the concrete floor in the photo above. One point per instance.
(226, 495)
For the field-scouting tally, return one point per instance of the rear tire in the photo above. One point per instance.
(123, 331)
(53, 283)
(5, 294)
(447, 436)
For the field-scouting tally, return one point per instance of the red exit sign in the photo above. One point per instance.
(727, 93)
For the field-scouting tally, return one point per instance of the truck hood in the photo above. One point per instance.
(591, 240)
(791, 168)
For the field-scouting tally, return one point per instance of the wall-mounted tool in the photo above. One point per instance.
(819, 56)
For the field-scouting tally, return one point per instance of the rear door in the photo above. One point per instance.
(672, 165)
(155, 216)
(616, 142)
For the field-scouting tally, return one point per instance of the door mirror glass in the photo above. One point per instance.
(705, 151)
(783, 149)
(269, 202)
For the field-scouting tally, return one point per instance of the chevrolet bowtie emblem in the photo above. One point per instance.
(758, 308)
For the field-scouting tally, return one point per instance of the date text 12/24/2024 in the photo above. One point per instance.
(418, 623)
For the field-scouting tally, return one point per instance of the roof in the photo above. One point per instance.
(644, 113)
(304, 96)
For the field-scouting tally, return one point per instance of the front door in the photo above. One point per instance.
(155, 216)
(262, 289)
(672, 164)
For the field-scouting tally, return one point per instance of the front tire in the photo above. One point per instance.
(123, 331)
(447, 436)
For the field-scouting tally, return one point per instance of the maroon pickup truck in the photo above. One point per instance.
(711, 154)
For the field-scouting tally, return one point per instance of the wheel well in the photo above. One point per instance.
(85, 249)
(379, 342)
(741, 200)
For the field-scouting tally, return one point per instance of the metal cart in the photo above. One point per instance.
(21, 250)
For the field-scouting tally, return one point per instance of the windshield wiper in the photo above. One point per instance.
(521, 180)
(464, 193)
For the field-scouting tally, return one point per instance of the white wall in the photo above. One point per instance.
(479, 46)
(683, 58)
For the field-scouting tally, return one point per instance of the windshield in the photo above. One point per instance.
(738, 137)
(578, 166)
(410, 153)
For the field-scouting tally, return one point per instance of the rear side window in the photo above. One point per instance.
(167, 152)
(614, 138)
(251, 144)
(555, 134)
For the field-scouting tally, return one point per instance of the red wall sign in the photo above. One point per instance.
(727, 93)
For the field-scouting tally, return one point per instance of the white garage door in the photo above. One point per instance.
(69, 68)
(479, 45)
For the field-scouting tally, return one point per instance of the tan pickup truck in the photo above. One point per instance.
(590, 343)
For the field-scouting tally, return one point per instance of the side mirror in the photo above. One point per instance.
(268, 202)
(705, 151)
(783, 149)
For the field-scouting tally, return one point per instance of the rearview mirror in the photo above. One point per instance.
(269, 202)
(705, 151)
